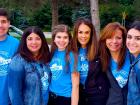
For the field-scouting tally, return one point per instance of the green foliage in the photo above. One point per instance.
(110, 14)
(136, 12)
(81, 12)
(18, 19)
(42, 17)
(38, 12)
(126, 2)
(65, 15)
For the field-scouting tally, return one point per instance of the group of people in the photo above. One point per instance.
(78, 69)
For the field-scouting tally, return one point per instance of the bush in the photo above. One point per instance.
(42, 17)
(65, 15)
(18, 19)
(109, 14)
(81, 12)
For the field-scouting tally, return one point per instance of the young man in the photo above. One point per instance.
(8, 47)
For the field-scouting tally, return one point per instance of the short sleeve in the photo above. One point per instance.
(72, 65)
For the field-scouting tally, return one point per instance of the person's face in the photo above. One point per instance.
(34, 43)
(115, 43)
(4, 26)
(84, 35)
(61, 40)
(133, 41)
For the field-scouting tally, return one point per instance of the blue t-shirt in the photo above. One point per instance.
(83, 61)
(61, 83)
(8, 47)
(121, 75)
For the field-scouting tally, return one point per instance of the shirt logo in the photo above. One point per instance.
(3, 66)
(44, 81)
(56, 68)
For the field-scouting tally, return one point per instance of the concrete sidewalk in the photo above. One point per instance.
(48, 34)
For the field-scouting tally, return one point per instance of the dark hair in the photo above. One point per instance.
(4, 13)
(104, 52)
(44, 54)
(63, 28)
(136, 25)
(92, 44)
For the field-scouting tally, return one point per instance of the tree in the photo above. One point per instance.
(94, 9)
(54, 6)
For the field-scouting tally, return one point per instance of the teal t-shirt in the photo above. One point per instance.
(61, 83)
(8, 47)
(121, 75)
(83, 61)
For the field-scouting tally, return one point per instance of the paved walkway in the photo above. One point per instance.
(48, 34)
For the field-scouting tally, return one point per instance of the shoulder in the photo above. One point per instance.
(71, 54)
(18, 57)
(13, 38)
(16, 62)
(13, 41)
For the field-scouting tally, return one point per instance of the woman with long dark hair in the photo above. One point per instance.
(29, 73)
(93, 81)
(133, 44)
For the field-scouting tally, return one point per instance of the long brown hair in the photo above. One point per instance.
(92, 44)
(69, 47)
(104, 52)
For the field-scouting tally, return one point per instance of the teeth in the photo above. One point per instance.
(34, 46)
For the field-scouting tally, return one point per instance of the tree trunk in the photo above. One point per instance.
(94, 9)
(54, 6)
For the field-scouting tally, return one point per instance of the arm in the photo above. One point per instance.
(75, 78)
(75, 88)
(15, 81)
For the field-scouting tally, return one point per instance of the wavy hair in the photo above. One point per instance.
(69, 47)
(104, 52)
(44, 53)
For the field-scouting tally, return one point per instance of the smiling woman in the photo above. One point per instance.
(65, 77)
(30, 67)
(84, 35)
(133, 44)
(115, 61)
(34, 43)
(85, 42)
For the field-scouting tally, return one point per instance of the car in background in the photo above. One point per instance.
(14, 31)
